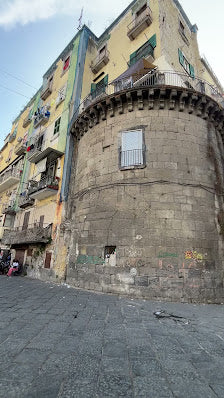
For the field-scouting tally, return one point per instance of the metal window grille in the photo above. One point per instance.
(132, 150)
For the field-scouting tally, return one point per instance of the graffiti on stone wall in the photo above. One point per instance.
(165, 266)
(84, 259)
(167, 255)
(194, 255)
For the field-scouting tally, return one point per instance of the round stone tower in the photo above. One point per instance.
(145, 209)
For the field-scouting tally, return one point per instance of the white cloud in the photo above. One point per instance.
(13, 12)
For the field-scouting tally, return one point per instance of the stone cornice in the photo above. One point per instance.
(159, 98)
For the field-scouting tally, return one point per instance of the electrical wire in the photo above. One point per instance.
(17, 78)
(84, 192)
(13, 91)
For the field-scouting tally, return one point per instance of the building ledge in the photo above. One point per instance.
(159, 96)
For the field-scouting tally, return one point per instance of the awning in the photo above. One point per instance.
(141, 67)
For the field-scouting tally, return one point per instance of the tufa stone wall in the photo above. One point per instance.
(164, 218)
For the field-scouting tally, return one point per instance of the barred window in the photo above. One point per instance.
(132, 152)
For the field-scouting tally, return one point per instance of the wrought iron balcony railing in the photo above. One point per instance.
(27, 121)
(152, 79)
(40, 119)
(46, 182)
(25, 201)
(140, 22)
(20, 148)
(47, 90)
(11, 173)
(9, 208)
(101, 60)
(133, 157)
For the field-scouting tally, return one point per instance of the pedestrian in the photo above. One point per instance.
(14, 267)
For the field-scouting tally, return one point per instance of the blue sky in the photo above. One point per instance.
(33, 33)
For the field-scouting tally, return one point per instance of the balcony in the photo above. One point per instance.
(12, 136)
(41, 119)
(153, 78)
(9, 209)
(9, 178)
(25, 201)
(140, 23)
(34, 233)
(43, 189)
(36, 154)
(20, 148)
(100, 61)
(47, 90)
(27, 121)
(33, 154)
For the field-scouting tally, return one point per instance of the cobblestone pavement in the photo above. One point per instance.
(61, 342)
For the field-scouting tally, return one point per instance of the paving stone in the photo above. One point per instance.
(61, 343)
(114, 386)
(152, 387)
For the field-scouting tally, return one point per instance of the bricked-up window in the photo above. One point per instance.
(132, 150)
(57, 125)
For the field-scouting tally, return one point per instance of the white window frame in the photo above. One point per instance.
(135, 156)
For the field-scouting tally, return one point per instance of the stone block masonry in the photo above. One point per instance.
(162, 218)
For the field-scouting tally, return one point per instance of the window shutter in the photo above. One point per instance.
(15, 132)
(181, 57)
(30, 114)
(132, 58)
(93, 87)
(152, 41)
(191, 70)
(105, 80)
(66, 64)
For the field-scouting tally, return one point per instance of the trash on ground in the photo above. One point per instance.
(161, 314)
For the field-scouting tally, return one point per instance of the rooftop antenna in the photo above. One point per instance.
(80, 20)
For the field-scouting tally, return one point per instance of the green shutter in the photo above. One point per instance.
(30, 114)
(191, 69)
(152, 41)
(15, 132)
(40, 103)
(181, 57)
(93, 87)
(132, 58)
(105, 80)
